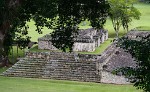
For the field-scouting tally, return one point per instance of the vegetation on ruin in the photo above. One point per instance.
(140, 51)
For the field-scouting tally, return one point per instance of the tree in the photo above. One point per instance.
(140, 50)
(130, 13)
(121, 14)
(61, 15)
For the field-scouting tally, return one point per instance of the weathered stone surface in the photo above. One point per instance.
(74, 66)
(65, 66)
(87, 40)
(56, 65)
(108, 77)
(133, 34)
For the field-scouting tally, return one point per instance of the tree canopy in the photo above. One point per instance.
(61, 15)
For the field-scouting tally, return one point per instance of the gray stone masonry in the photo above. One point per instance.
(74, 66)
(87, 40)
(63, 66)
(133, 34)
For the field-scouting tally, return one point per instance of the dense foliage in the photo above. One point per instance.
(140, 50)
(61, 15)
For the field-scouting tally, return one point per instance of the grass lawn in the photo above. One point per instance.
(143, 23)
(8, 84)
(100, 49)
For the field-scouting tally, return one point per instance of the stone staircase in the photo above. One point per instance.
(55, 65)
(31, 68)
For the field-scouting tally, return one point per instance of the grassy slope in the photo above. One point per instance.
(34, 34)
(35, 85)
(100, 49)
(143, 22)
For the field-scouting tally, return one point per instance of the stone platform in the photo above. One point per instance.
(67, 66)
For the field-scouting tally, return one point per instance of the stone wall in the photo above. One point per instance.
(87, 40)
(46, 45)
(79, 46)
(107, 77)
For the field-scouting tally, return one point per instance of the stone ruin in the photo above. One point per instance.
(133, 34)
(75, 66)
(87, 40)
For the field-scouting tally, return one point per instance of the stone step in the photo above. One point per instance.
(23, 73)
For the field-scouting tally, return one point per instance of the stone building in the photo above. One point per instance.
(87, 40)
(45, 43)
(134, 34)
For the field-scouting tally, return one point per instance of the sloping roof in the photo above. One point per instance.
(114, 58)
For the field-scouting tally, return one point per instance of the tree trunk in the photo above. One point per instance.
(1, 51)
(1, 46)
(117, 34)
(4, 61)
(17, 50)
(3, 58)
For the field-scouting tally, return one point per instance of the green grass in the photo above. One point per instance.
(34, 34)
(13, 56)
(143, 28)
(37, 85)
(3, 69)
(35, 49)
(101, 48)
(144, 21)
(98, 50)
